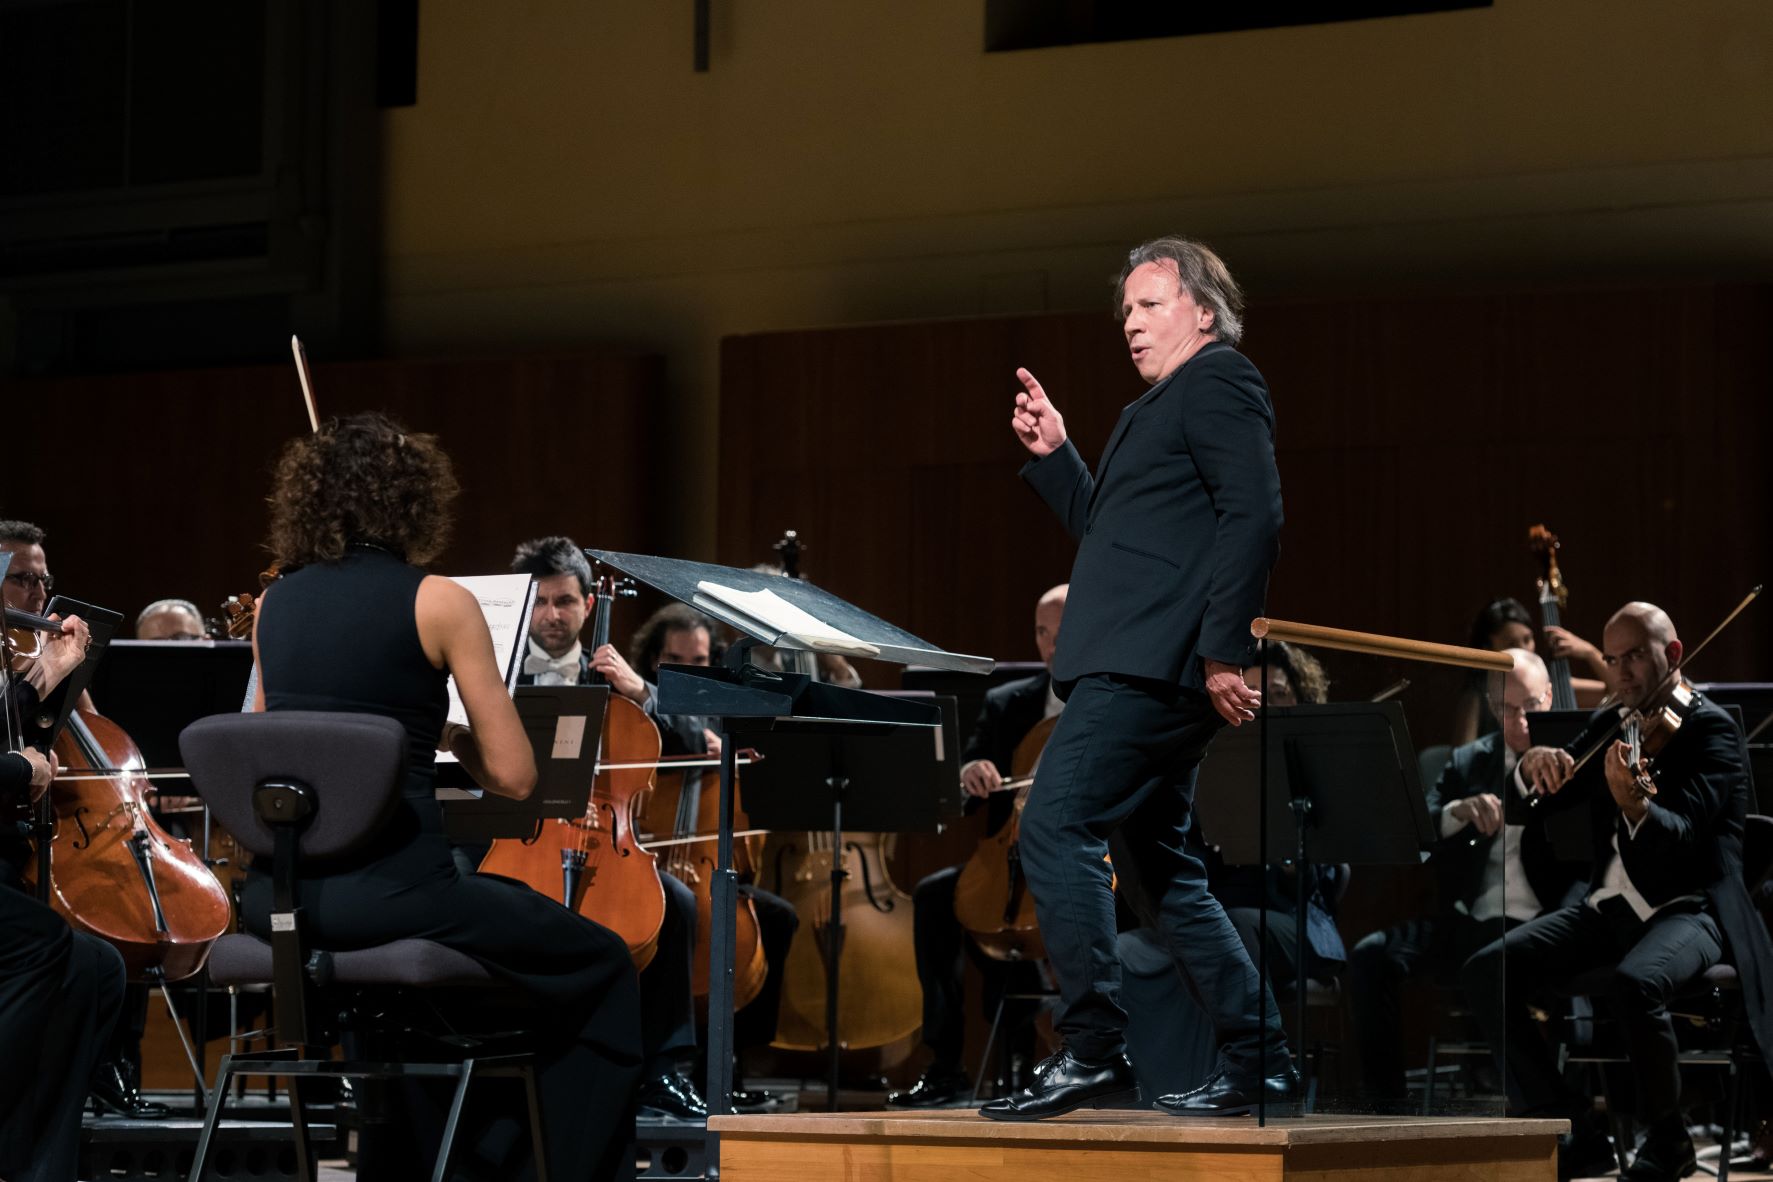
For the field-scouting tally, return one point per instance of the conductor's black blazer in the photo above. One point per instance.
(1177, 530)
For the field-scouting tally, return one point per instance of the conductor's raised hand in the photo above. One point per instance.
(1232, 697)
(1037, 423)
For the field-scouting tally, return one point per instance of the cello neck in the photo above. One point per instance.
(1563, 693)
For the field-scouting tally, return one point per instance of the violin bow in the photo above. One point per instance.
(301, 363)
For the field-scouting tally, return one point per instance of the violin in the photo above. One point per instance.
(593, 864)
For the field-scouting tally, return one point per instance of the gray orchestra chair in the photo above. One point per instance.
(301, 788)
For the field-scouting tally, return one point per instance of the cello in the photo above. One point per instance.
(112, 871)
(679, 808)
(1553, 597)
(991, 898)
(593, 864)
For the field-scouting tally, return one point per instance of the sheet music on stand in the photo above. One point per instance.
(505, 601)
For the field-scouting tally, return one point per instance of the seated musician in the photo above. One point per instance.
(356, 625)
(1006, 716)
(1496, 868)
(61, 991)
(667, 1006)
(170, 619)
(1171, 1038)
(1505, 624)
(679, 635)
(116, 1082)
(1666, 901)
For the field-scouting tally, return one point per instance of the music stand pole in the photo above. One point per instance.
(838, 783)
(723, 899)
(1262, 911)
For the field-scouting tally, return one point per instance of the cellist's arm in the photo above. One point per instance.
(494, 749)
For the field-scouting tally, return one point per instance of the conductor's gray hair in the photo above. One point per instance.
(1200, 272)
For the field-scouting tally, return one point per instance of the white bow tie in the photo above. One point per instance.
(535, 664)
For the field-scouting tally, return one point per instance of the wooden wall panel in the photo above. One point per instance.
(1418, 439)
(153, 485)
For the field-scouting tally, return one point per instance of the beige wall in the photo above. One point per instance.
(566, 178)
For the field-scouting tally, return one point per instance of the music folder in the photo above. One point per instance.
(565, 725)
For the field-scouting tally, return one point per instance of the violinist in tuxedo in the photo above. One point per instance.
(1177, 529)
(1009, 712)
(1496, 866)
(61, 991)
(1665, 902)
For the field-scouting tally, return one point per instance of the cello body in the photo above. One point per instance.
(593, 864)
(880, 1003)
(991, 898)
(684, 803)
(115, 873)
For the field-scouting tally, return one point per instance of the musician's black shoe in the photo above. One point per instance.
(1064, 1084)
(1225, 1094)
(755, 1101)
(1585, 1153)
(113, 1092)
(673, 1095)
(1665, 1156)
(935, 1088)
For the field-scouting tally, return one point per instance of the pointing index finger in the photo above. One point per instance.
(1030, 384)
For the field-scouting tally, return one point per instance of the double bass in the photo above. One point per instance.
(593, 864)
(1553, 598)
(876, 948)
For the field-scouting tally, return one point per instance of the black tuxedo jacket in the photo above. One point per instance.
(1177, 529)
(1460, 859)
(1007, 714)
(1690, 842)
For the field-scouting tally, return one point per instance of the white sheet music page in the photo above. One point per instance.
(505, 601)
(778, 617)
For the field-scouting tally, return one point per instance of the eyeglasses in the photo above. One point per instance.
(30, 578)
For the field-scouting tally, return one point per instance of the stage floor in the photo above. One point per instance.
(1121, 1145)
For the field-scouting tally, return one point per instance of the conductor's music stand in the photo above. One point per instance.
(749, 701)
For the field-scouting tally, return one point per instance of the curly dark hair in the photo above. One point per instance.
(1304, 672)
(649, 638)
(363, 478)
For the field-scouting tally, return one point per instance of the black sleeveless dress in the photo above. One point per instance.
(343, 636)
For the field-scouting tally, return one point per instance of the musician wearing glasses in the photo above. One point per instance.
(1665, 902)
(61, 991)
(1496, 866)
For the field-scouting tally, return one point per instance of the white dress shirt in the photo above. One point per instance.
(547, 670)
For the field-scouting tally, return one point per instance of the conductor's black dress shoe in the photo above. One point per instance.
(1062, 1084)
(1227, 1095)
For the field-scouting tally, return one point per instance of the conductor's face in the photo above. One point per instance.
(1163, 324)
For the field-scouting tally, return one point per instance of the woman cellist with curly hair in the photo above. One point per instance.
(355, 624)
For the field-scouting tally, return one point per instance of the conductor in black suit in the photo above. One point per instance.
(1177, 531)
(1665, 903)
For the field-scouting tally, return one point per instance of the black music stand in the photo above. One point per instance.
(1336, 783)
(891, 780)
(749, 701)
(564, 724)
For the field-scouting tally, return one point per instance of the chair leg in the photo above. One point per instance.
(218, 1100)
(985, 1059)
(446, 1153)
(306, 1167)
(538, 1144)
(1434, 1045)
(1732, 1109)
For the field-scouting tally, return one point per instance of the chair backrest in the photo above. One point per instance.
(354, 763)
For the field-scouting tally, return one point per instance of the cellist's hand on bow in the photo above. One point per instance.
(1037, 422)
(1544, 770)
(713, 741)
(622, 678)
(43, 769)
(980, 778)
(1232, 697)
(60, 656)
